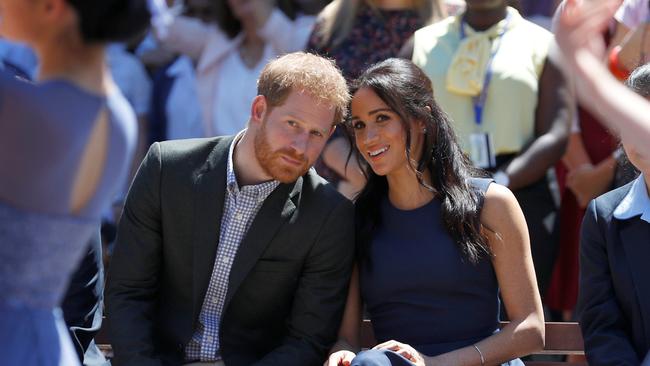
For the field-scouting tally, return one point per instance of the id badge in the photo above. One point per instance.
(482, 150)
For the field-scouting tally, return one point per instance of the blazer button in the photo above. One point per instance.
(180, 346)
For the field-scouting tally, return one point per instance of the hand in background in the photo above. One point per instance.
(579, 30)
(588, 182)
(340, 358)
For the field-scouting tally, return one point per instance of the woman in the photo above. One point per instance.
(435, 243)
(230, 54)
(490, 70)
(65, 147)
(358, 33)
(614, 295)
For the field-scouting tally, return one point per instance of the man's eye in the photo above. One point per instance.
(292, 123)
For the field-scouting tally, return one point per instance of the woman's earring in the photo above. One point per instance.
(424, 130)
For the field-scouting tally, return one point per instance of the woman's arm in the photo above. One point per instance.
(349, 340)
(507, 232)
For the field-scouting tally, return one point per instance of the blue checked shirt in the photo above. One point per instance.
(239, 211)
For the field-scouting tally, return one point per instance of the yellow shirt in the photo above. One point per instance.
(509, 112)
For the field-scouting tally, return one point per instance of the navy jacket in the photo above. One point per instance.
(614, 299)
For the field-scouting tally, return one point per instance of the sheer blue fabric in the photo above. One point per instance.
(44, 131)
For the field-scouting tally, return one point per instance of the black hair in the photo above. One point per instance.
(111, 20)
(408, 92)
(230, 25)
(639, 80)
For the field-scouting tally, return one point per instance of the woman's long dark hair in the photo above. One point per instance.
(408, 92)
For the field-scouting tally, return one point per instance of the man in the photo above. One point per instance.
(230, 249)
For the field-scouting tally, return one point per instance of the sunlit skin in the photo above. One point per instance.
(380, 135)
(285, 140)
(16, 21)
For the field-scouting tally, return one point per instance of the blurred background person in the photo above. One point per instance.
(230, 53)
(356, 34)
(590, 167)
(509, 106)
(66, 143)
(175, 112)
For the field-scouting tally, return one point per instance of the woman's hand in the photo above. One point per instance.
(340, 358)
(588, 181)
(403, 350)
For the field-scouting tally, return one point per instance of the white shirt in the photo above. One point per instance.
(182, 106)
(131, 77)
(635, 203)
(631, 13)
(213, 50)
(232, 109)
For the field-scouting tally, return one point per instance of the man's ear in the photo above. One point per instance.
(259, 109)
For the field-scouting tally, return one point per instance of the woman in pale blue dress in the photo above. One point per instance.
(65, 147)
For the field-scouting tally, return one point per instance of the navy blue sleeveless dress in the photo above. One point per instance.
(418, 288)
(44, 130)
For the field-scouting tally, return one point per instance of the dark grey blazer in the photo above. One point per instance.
(614, 298)
(288, 282)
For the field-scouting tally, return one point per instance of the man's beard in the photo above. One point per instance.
(273, 163)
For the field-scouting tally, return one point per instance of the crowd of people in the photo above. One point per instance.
(259, 176)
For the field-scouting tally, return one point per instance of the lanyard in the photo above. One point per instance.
(479, 101)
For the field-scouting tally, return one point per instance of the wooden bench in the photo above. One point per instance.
(562, 338)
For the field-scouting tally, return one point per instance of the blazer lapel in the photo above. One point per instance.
(634, 236)
(209, 194)
(277, 209)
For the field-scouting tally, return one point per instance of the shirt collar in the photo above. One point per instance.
(261, 190)
(635, 203)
